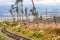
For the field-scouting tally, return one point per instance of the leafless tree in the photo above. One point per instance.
(17, 10)
(11, 12)
(54, 19)
(26, 14)
(34, 13)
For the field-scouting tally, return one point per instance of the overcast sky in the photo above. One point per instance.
(28, 2)
(6, 4)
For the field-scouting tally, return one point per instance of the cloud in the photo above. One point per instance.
(7, 2)
(28, 2)
(42, 2)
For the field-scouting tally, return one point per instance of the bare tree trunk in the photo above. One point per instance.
(12, 15)
(17, 11)
(22, 10)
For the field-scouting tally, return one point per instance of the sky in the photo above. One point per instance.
(51, 4)
(27, 2)
(6, 2)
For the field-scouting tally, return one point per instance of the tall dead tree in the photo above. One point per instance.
(46, 15)
(54, 19)
(41, 18)
(26, 14)
(34, 13)
(11, 12)
(17, 10)
(22, 10)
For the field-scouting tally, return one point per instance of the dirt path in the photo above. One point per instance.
(12, 35)
(6, 37)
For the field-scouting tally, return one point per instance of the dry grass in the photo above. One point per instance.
(42, 25)
(37, 30)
